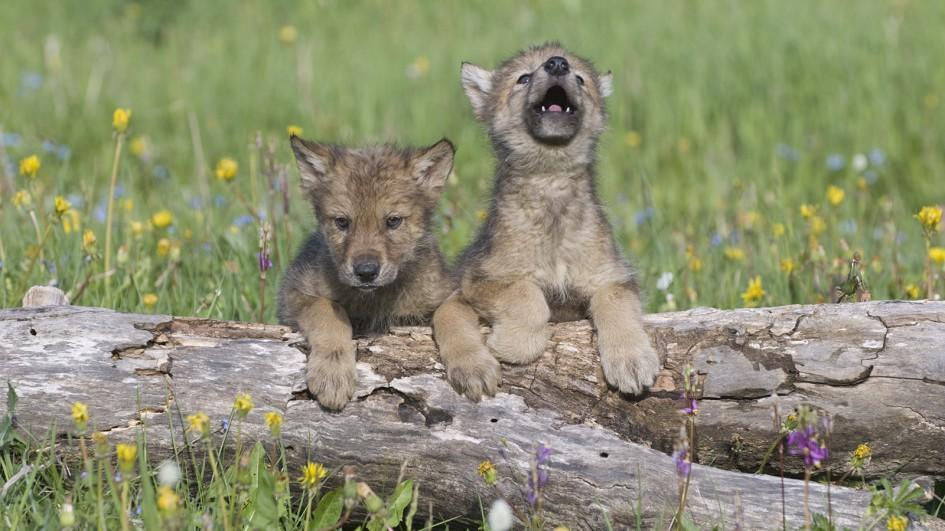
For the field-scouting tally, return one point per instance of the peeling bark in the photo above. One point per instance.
(878, 368)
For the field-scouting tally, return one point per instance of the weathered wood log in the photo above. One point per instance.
(878, 368)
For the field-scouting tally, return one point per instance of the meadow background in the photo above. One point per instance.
(729, 124)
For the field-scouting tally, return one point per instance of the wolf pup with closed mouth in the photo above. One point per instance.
(373, 262)
(546, 250)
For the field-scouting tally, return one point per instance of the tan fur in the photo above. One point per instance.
(546, 250)
(321, 293)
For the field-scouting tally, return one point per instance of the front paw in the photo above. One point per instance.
(475, 374)
(630, 363)
(517, 344)
(332, 380)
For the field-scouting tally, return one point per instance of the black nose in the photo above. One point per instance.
(557, 66)
(367, 270)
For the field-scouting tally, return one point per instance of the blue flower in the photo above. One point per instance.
(243, 220)
(848, 227)
(160, 171)
(643, 216)
(219, 201)
(804, 442)
(877, 157)
(716, 240)
(835, 162)
(787, 152)
(100, 213)
(76, 200)
(10, 140)
(63, 152)
(870, 176)
(30, 82)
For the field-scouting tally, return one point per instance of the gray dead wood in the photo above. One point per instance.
(878, 368)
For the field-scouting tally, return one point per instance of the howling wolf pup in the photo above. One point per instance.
(546, 250)
(373, 262)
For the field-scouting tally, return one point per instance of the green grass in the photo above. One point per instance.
(736, 106)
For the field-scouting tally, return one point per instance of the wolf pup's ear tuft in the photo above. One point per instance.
(477, 83)
(314, 159)
(432, 166)
(606, 84)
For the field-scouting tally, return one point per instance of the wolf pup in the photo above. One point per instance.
(546, 250)
(373, 262)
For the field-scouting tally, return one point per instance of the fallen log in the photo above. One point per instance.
(878, 368)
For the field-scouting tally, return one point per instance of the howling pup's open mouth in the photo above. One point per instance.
(555, 101)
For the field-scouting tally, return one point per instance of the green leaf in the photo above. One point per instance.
(11, 399)
(149, 511)
(262, 510)
(328, 511)
(399, 501)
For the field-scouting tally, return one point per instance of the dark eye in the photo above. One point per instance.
(580, 80)
(394, 221)
(524, 79)
(342, 223)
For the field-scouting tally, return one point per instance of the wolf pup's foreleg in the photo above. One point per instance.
(519, 315)
(470, 367)
(630, 364)
(330, 371)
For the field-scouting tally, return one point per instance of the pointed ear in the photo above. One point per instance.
(606, 84)
(432, 166)
(477, 83)
(314, 159)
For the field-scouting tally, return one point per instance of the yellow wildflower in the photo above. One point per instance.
(777, 230)
(754, 294)
(22, 198)
(488, 472)
(167, 499)
(863, 451)
(29, 166)
(149, 300)
(226, 169)
(88, 240)
(71, 221)
(834, 195)
(808, 211)
(682, 145)
(163, 247)
(632, 139)
(274, 421)
(912, 291)
(897, 523)
(128, 204)
(930, 217)
(311, 474)
(139, 145)
(695, 264)
(62, 205)
(294, 130)
(120, 119)
(817, 225)
(937, 255)
(126, 456)
(199, 422)
(749, 219)
(288, 34)
(162, 219)
(735, 254)
(243, 404)
(80, 415)
(137, 228)
(788, 266)
(862, 184)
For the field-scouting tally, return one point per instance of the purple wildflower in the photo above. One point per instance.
(692, 408)
(803, 442)
(682, 461)
(542, 454)
(265, 263)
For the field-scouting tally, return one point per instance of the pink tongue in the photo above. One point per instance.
(554, 108)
